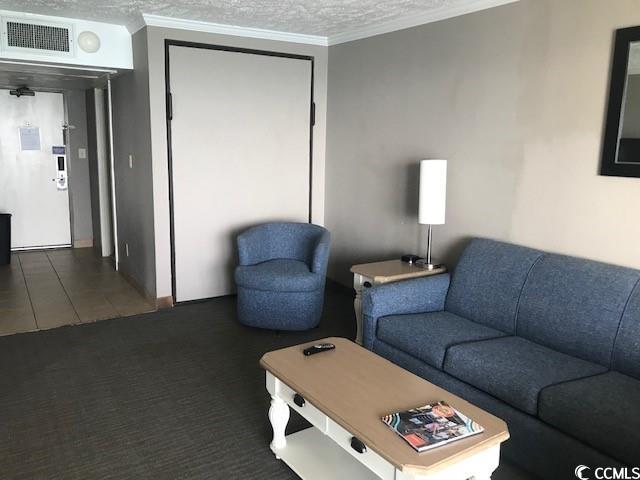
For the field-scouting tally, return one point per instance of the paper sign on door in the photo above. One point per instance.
(29, 138)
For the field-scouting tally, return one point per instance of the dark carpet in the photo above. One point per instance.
(176, 394)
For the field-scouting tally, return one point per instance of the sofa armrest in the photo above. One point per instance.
(419, 295)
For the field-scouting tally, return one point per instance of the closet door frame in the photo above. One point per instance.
(169, 115)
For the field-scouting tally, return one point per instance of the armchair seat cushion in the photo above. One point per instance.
(280, 275)
(601, 411)
(515, 370)
(427, 336)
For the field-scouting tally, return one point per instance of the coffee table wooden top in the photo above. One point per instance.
(393, 270)
(356, 387)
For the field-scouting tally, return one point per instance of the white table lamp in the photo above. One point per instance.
(433, 196)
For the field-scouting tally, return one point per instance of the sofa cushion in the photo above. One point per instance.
(513, 369)
(487, 282)
(626, 352)
(282, 275)
(601, 411)
(427, 336)
(575, 306)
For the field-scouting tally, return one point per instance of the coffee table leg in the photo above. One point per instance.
(279, 417)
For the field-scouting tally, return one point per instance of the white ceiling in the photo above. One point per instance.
(311, 17)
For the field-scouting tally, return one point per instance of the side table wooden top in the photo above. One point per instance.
(393, 270)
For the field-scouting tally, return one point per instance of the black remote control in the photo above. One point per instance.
(317, 348)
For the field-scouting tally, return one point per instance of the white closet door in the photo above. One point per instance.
(240, 138)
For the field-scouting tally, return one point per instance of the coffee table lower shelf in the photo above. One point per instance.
(314, 456)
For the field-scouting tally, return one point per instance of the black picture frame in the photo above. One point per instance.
(610, 166)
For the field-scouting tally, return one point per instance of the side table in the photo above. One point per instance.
(367, 275)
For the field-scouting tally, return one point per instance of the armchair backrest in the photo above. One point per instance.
(298, 241)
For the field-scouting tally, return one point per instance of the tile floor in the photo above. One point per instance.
(48, 289)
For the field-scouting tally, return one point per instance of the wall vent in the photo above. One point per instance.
(40, 37)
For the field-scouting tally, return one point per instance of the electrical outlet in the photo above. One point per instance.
(130, 161)
(126, 249)
(82, 153)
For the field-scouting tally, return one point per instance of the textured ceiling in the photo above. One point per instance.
(312, 17)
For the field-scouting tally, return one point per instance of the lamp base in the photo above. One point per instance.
(422, 263)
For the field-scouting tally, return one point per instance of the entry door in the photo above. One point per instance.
(240, 137)
(28, 169)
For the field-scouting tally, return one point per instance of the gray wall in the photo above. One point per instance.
(514, 97)
(92, 158)
(79, 184)
(134, 186)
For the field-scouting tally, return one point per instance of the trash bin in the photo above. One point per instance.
(5, 238)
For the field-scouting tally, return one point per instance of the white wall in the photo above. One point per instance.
(515, 98)
(155, 43)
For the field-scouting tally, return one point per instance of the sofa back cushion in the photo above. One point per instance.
(575, 306)
(487, 282)
(626, 352)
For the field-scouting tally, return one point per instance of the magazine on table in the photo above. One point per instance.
(432, 425)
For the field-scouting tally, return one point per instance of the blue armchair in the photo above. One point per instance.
(281, 275)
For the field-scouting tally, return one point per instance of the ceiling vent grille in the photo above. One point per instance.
(43, 37)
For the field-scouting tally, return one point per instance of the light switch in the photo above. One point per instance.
(82, 153)
(130, 161)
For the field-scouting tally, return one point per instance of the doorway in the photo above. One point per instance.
(33, 169)
(45, 287)
(240, 135)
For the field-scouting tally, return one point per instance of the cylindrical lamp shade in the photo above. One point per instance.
(433, 192)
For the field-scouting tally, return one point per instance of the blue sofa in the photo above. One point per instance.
(281, 275)
(547, 342)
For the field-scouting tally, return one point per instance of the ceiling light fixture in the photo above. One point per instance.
(89, 41)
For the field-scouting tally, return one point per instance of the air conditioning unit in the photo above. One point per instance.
(27, 37)
(32, 36)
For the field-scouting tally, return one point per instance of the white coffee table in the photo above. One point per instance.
(343, 393)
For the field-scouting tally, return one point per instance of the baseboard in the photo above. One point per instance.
(164, 302)
(86, 243)
(159, 303)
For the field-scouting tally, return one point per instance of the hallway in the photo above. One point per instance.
(47, 289)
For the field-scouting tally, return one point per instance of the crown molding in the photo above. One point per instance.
(209, 27)
(135, 24)
(441, 13)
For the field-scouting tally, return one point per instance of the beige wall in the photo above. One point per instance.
(155, 39)
(515, 98)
